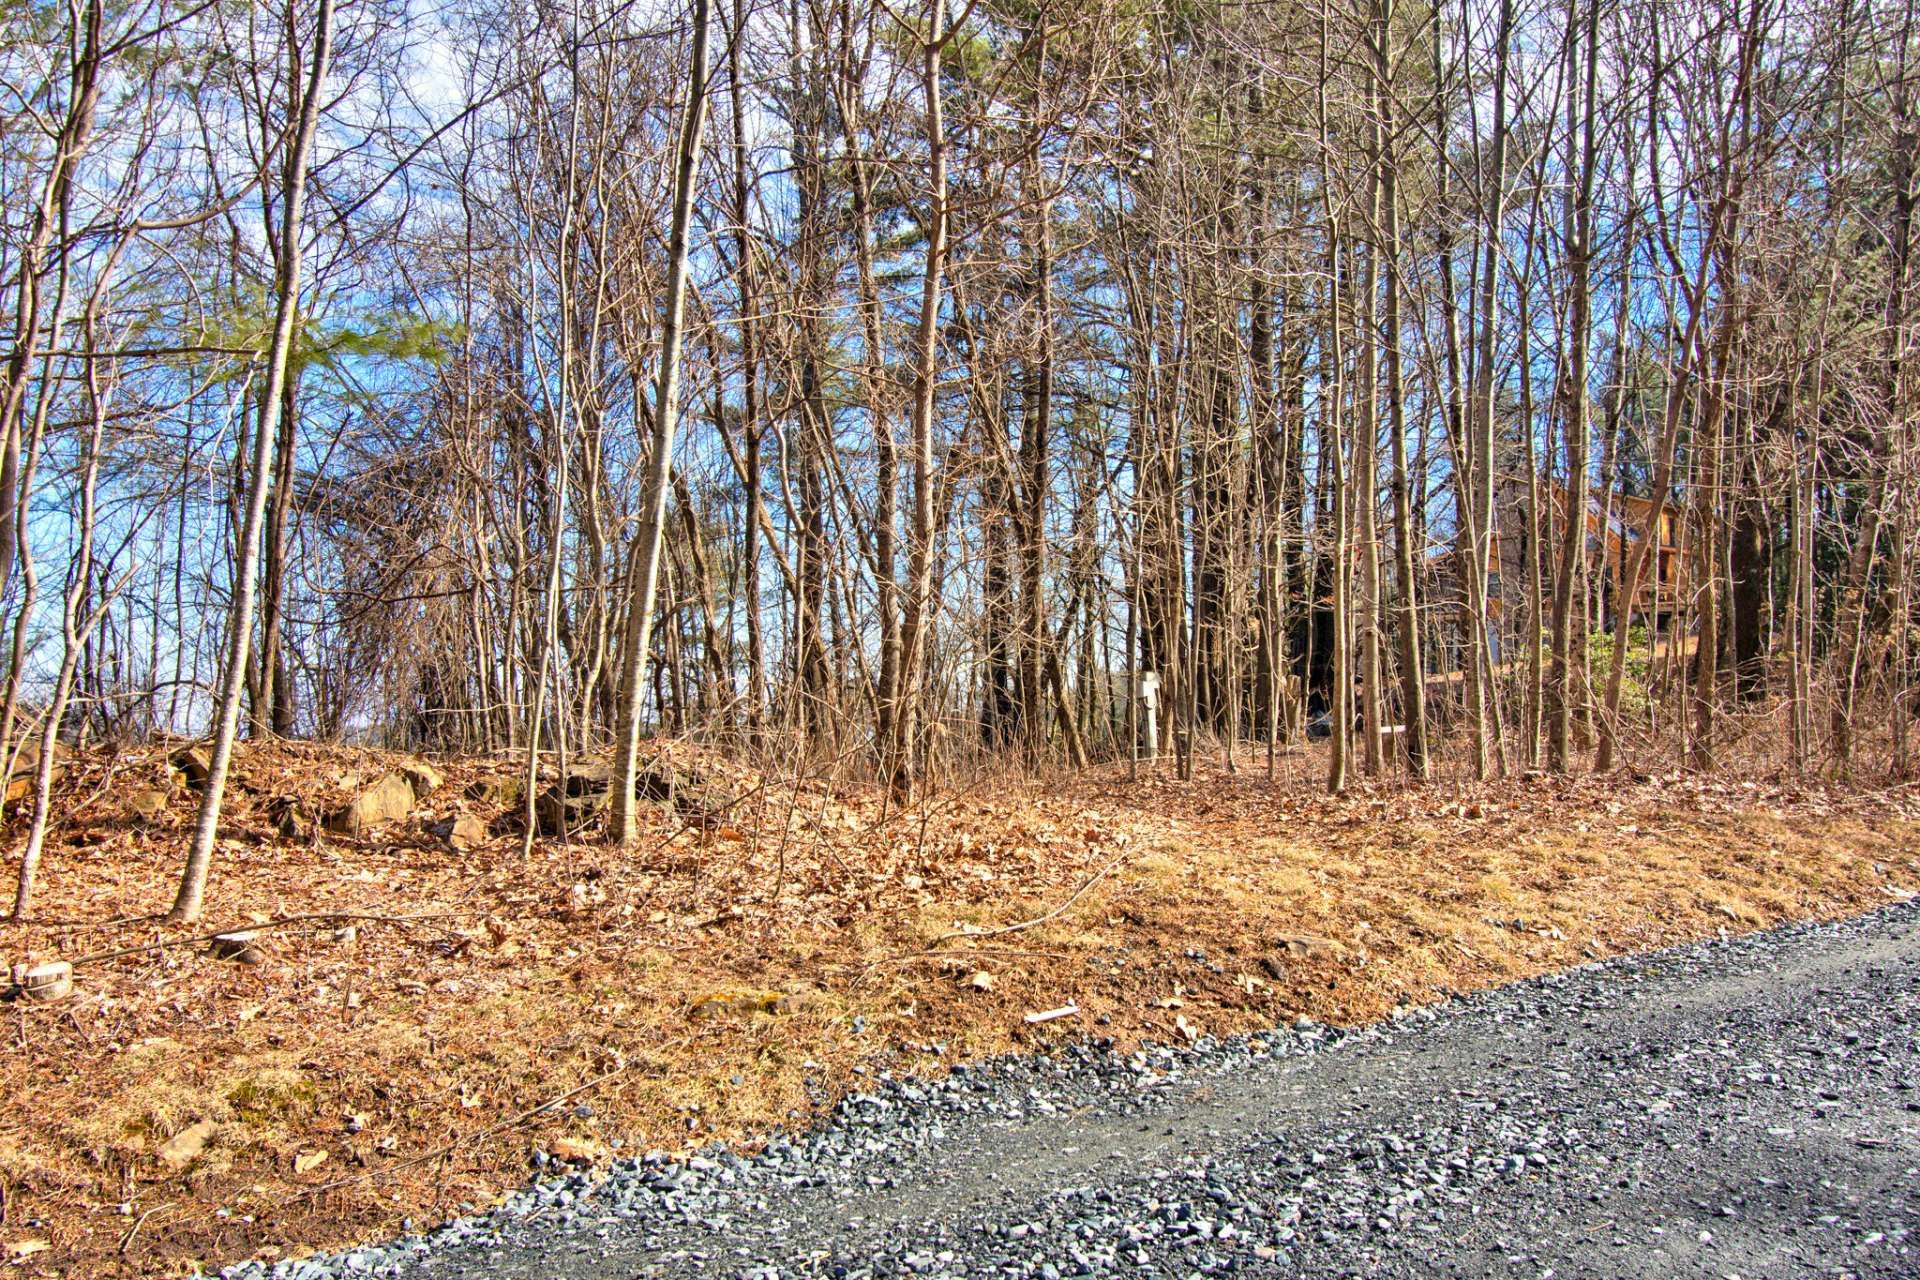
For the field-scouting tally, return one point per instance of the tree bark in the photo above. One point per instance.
(622, 818)
(193, 881)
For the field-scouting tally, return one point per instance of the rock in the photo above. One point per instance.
(291, 817)
(575, 802)
(388, 800)
(499, 788)
(685, 789)
(739, 1003)
(241, 947)
(578, 1150)
(578, 801)
(20, 777)
(552, 810)
(149, 804)
(701, 805)
(464, 831)
(1304, 946)
(191, 765)
(660, 782)
(589, 777)
(184, 1147)
(47, 982)
(423, 777)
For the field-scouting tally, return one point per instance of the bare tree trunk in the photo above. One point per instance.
(17, 457)
(1476, 491)
(749, 377)
(70, 143)
(1576, 411)
(1035, 441)
(900, 762)
(76, 619)
(193, 880)
(622, 819)
(1706, 593)
(1363, 486)
(1722, 220)
(271, 698)
(1413, 690)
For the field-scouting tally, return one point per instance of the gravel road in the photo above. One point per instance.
(1742, 1108)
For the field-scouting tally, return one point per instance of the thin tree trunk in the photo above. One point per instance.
(622, 820)
(1413, 691)
(1566, 683)
(900, 764)
(193, 880)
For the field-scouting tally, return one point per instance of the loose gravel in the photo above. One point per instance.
(1741, 1108)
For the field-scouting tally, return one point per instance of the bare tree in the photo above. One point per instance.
(193, 880)
(644, 556)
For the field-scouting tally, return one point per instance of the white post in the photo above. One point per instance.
(1150, 703)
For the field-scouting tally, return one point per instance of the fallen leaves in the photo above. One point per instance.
(1239, 904)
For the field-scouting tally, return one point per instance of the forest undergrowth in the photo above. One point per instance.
(384, 1048)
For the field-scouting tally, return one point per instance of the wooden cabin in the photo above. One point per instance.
(1662, 584)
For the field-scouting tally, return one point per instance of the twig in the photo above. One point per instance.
(267, 926)
(916, 957)
(89, 926)
(786, 836)
(765, 784)
(126, 1241)
(1054, 914)
(106, 780)
(482, 1135)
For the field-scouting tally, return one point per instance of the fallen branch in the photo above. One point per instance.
(1054, 914)
(268, 926)
(861, 973)
(126, 1241)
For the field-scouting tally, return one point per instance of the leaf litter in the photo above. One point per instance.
(422, 1021)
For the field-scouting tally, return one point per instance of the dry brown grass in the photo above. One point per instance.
(401, 1052)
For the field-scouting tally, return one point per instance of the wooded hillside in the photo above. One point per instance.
(1521, 385)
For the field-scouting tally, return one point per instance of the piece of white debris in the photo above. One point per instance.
(1064, 1011)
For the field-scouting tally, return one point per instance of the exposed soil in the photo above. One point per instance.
(392, 1056)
